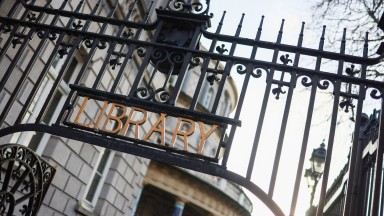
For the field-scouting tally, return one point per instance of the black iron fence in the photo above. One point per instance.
(159, 54)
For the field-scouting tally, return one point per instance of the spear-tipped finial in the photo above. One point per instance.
(301, 35)
(281, 26)
(302, 29)
(322, 38)
(344, 35)
(280, 35)
(240, 25)
(261, 24)
(222, 18)
(323, 33)
(221, 22)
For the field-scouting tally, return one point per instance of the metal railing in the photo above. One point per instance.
(172, 51)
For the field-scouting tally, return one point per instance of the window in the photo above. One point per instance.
(208, 98)
(98, 177)
(227, 105)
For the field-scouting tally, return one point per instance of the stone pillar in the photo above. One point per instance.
(178, 208)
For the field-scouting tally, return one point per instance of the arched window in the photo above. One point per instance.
(226, 105)
(227, 109)
(208, 98)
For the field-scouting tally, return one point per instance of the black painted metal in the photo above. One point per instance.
(25, 179)
(170, 53)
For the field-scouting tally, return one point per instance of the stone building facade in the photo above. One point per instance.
(91, 180)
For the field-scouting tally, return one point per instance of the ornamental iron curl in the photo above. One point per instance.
(189, 6)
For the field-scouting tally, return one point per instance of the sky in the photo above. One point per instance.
(294, 12)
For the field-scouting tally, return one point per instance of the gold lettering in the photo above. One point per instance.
(115, 118)
(160, 130)
(85, 101)
(182, 133)
(118, 112)
(136, 123)
(101, 114)
(204, 136)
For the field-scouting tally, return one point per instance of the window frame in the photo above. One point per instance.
(90, 205)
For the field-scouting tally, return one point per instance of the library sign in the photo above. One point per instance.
(143, 126)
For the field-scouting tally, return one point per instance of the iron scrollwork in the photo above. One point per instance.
(148, 93)
(255, 72)
(258, 70)
(190, 6)
(7, 27)
(306, 81)
(25, 178)
(347, 102)
(279, 89)
(323, 84)
(196, 61)
(215, 71)
(376, 94)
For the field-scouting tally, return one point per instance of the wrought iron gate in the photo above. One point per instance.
(163, 47)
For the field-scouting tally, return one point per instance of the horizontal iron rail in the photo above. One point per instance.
(149, 106)
(95, 18)
(210, 35)
(237, 60)
(294, 49)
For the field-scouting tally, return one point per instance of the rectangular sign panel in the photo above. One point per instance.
(138, 125)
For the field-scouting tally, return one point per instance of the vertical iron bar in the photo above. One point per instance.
(284, 121)
(379, 165)
(131, 50)
(382, 192)
(329, 149)
(66, 64)
(355, 156)
(11, 12)
(369, 205)
(264, 106)
(307, 129)
(46, 67)
(184, 68)
(365, 176)
(227, 69)
(332, 131)
(90, 55)
(199, 86)
(205, 65)
(242, 96)
(26, 39)
(144, 63)
(112, 47)
(222, 137)
(29, 67)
